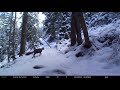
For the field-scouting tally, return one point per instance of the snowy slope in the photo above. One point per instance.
(61, 59)
(51, 60)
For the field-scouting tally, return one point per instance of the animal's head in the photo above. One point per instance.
(42, 48)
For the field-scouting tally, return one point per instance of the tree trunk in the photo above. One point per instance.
(23, 33)
(9, 42)
(85, 32)
(75, 29)
(73, 33)
(78, 29)
(14, 26)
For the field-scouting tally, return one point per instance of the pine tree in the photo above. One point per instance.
(10, 39)
(13, 42)
(33, 32)
(85, 32)
(78, 24)
(6, 27)
(75, 29)
(23, 33)
(57, 25)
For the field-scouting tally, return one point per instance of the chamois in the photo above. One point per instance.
(39, 50)
(28, 53)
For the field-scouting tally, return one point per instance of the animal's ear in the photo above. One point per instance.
(43, 48)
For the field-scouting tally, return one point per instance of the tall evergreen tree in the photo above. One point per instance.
(75, 29)
(6, 26)
(23, 33)
(10, 39)
(56, 25)
(78, 24)
(85, 32)
(13, 42)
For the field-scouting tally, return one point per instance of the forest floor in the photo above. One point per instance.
(52, 62)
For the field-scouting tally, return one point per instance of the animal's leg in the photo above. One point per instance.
(33, 55)
(39, 54)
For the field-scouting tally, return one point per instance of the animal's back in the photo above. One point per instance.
(37, 50)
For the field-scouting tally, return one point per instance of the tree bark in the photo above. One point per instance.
(23, 33)
(75, 29)
(14, 26)
(78, 29)
(85, 32)
(73, 33)
(9, 42)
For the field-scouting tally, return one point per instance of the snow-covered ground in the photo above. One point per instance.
(55, 63)
(61, 60)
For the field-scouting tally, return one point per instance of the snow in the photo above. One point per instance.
(61, 60)
(52, 59)
(24, 65)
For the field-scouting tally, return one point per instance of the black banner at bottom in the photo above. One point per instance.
(62, 77)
